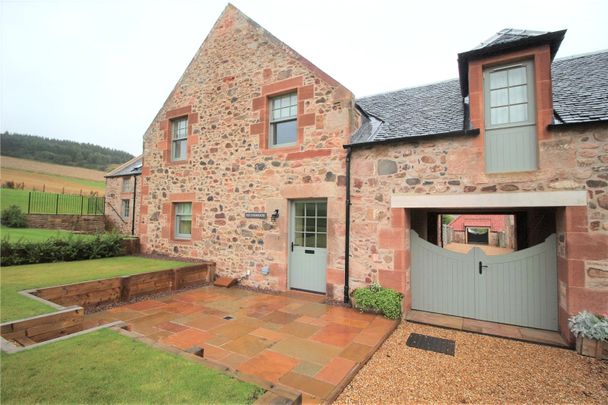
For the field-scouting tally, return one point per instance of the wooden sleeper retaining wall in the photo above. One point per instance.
(91, 294)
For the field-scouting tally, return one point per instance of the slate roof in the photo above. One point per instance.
(580, 88)
(509, 35)
(580, 94)
(130, 168)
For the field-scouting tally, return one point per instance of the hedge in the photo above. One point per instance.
(60, 250)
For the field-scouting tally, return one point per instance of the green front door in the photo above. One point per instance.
(308, 245)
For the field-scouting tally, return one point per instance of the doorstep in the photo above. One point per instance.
(545, 337)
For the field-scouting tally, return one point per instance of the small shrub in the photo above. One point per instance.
(589, 325)
(60, 250)
(13, 217)
(379, 299)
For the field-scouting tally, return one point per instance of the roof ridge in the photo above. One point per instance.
(407, 88)
(125, 164)
(581, 55)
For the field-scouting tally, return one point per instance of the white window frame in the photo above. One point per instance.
(273, 121)
(125, 207)
(179, 136)
(180, 214)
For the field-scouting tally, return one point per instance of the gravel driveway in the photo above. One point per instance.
(484, 369)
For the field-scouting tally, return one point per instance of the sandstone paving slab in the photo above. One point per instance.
(270, 366)
(298, 329)
(335, 370)
(307, 368)
(305, 349)
(337, 335)
(247, 345)
(307, 384)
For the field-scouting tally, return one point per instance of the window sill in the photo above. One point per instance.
(280, 149)
(184, 241)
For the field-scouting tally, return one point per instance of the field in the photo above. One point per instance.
(50, 177)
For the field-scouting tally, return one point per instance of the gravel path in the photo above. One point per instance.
(484, 369)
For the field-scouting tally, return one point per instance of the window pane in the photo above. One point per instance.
(322, 209)
(185, 226)
(299, 224)
(518, 94)
(321, 224)
(321, 240)
(499, 115)
(499, 97)
(517, 76)
(183, 208)
(176, 150)
(299, 241)
(498, 79)
(310, 224)
(300, 209)
(311, 209)
(293, 99)
(518, 113)
(293, 111)
(285, 132)
(310, 240)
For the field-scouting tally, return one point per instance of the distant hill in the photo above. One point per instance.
(61, 152)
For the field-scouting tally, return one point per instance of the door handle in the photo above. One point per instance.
(292, 246)
(481, 267)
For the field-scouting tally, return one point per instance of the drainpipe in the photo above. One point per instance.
(134, 195)
(347, 229)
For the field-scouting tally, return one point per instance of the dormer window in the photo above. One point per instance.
(510, 130)
(283, 120)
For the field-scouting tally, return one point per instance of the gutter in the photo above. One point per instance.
(407, 139)
(134, 202)
(581, 124)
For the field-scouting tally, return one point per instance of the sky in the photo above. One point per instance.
(98, 71)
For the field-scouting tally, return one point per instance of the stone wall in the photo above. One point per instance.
(77, 223)
(570, 159)
(113, 208)
(230, 169)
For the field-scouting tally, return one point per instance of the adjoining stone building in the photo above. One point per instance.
(123, 197)
(263, 163)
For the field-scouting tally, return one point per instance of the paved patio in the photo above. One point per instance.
(291, 339)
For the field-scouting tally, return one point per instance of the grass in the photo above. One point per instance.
(36, 234)
(45, 203)
(17, 278)
(106, 367)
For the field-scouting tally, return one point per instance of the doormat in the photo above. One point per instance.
(431, 343)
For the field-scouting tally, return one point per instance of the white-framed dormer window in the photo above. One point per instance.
(179, 138)
(510, 118)
(183, 220)
(125, 208)
(283, 129)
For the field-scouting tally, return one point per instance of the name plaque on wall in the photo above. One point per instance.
(258, 215)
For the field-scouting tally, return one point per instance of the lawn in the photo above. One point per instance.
(106, 367)
(17, 278)
(47, 203)
(36, 234)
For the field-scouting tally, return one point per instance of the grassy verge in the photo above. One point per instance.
(36, 234)
(106, 367)
(17, 278)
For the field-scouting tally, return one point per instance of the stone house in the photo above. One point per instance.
(263, 163)
(123, 196)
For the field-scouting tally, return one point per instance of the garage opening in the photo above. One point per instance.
(498, 266)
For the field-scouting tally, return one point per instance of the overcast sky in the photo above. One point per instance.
(99, 70)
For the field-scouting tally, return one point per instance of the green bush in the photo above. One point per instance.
(60, 250)
(13, 217)
(379, 299)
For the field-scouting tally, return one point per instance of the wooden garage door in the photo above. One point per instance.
(518, 288)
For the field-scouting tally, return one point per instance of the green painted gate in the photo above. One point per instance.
(518, 288)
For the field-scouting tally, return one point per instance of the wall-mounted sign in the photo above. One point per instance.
(259, 215)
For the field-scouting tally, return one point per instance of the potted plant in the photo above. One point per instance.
(591, 331)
